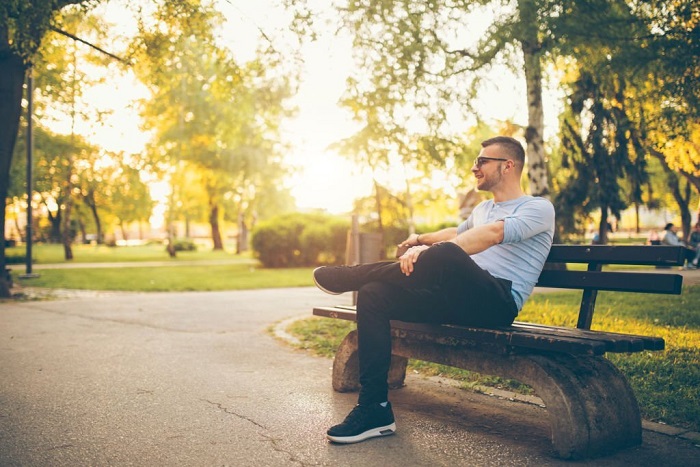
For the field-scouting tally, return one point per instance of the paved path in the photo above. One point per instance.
(196, 379)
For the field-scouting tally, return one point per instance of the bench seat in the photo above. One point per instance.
(521, 336)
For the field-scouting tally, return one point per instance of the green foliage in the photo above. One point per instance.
(15, 256)
(211, 114)
(600, 161)
(293, 240)
(184, 245)
(26, 23)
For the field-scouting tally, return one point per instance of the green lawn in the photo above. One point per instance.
(222, 270)
(48, 254)
(170, 278)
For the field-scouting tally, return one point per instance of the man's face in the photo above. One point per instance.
(488, 172)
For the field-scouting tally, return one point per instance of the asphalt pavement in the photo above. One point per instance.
(199, 379)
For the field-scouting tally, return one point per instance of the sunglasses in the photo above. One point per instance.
(481, 160)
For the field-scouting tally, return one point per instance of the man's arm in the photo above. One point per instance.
(480, 238)
(472, 241)
(428, 239)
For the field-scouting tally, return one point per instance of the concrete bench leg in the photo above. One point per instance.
(346, 370)
(591, 406)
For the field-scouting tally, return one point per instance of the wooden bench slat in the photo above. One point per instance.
(542, 338)
(623, 254)
(508, 336)
(614, 342)
(632, 341)
(613, 281)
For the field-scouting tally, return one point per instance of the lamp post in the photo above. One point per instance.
(30, 182)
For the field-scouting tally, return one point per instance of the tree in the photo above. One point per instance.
(597, 161)
(417, 70)
(22, 27)
(130, 197)
(629, 87)
(210, 111)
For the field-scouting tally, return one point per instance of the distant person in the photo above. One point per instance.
(670, 237)
(694, 243)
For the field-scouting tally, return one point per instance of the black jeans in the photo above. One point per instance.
(446, 287)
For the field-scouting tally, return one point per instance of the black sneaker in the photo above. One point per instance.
(364, 422)
(337, 279)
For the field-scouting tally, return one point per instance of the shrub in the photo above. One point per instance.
(185, 245)
(15, 257)
(294, 240)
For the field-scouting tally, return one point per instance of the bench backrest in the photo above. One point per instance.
(594, 278)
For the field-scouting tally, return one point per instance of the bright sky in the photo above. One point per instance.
(323, 179)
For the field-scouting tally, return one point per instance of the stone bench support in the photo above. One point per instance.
(592, 409)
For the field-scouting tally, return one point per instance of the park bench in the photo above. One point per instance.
(592, 408)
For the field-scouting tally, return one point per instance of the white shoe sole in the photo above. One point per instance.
(320, 286)
(373, 433)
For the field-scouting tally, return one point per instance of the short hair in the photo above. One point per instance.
(668, 226)
(510, 146)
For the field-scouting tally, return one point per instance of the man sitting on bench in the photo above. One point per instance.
(477, 274)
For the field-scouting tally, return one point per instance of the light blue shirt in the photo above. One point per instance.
(528, 230)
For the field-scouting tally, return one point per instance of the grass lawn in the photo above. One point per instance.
(49, 254)
(171, 278)
(234, 273)
(666, 383)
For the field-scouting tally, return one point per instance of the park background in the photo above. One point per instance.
(197, 120)
(179, 131)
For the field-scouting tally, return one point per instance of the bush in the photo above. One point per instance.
(16, 255)
(294, 240)
(185, 245)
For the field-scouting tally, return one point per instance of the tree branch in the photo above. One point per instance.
(75, 38)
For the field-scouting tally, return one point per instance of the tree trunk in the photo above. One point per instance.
(98, 223)
(534, 134)
(603, 226)
(409, 206)
(55, 223)
(242, 243)
(66, 234)
(11, 83)
(378, 198)
(214, 223)
(83, 232)
(684, 205)
(171, 241)
(674, 185)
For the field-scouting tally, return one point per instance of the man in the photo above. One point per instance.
(479, 273)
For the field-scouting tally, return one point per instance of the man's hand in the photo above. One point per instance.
(403, 247)
(407, 259)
